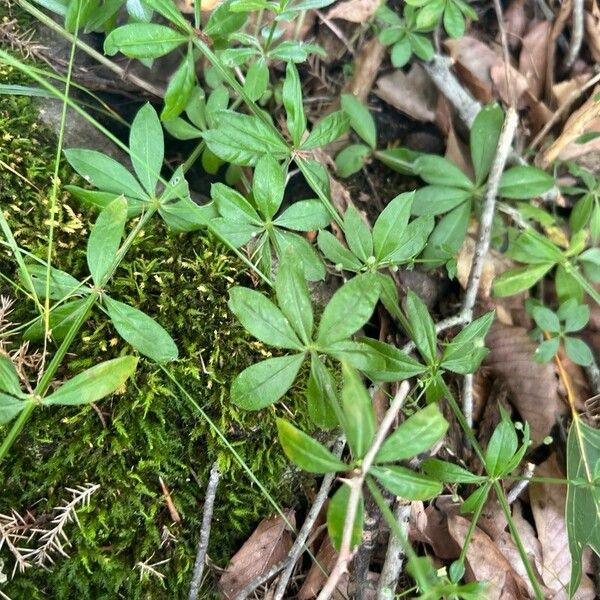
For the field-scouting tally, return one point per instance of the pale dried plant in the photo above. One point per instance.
(37, 541)
(19, 41)
(149, 569)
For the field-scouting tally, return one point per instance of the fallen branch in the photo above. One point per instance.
(300, 543)
(356, 484)
(209, 502)
(394, 556)
(576, 33)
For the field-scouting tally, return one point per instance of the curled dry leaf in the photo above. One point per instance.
(548, 507)
(269, 544)
(412, 93)
(534, 57)
(533, 388)
(584, 120)
(355, 11)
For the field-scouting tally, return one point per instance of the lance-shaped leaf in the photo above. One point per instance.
(422, 327)
(143, 40)
(94, 383)
(327, 130)
(61, 319)
(292, 100)
(358, 234)
(406, 483)
(168, 9)
(483, 142)
(336, 518)
(9, 379)
(105, 238)
(449, 473)
(360, 119)
(305, 215)
(306, 452)
(349, 309)
(394, 365)
(61, 284)
(180, 87)
(10, 407)
(265, 382)
(262, 318)
(293, 297)
(141, 331)
(320, 394)
(268, 185)
(417, 434)
(501, 447)
(333, 250)
(147, 147)
(314, 269)
(390, 225)
(101, 200)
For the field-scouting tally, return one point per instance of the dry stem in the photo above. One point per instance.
(356, 485)
(576, 33)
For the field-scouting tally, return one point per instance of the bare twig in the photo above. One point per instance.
(394, 557)
(209, 502)
(518, 488)
(300, 543)
(576, 33)
(169, 500)
(356, 485)
(445, 80)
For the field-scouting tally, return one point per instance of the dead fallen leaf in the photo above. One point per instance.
(485, 562)
(515, 22)
(509, 83)
(326, 558)
(365, 68)
(564, 14)
(270, 543)
(592, 31)
(548, 507)
(430, 526)
(534, 56)
(355, 11)
(533, 387)
(412, 93)
(458, 153)
(584, 120)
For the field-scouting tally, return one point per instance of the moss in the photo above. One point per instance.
(149, 431)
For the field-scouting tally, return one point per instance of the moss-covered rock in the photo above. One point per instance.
(149, 432)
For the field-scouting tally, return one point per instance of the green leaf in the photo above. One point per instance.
(401, 53)
(243, 139)
(359, 417)
(147, 147)
(395, 364)
(436, 170)
(578, 351)
(302, 249)
(358, 234)
(257, 79)
(438, 199)
(422, 46)
(103, 199)
(304, 451)
(546, 319)
(265, 382)
(351, 159)
(339, 255)
(293, 297)
(417, 434)
(180, 88)
(61, 284)
(223, 21)
(305, 215)
(422, 327)
(262, 319)
(321, 395)
(360, 119)
(524, 182)
(141, 331)
(400, 160)
(94, 383)
(327, 130)
(233, 206)
(531, 247)
(10, 407)
(235, 233)
(446, 472)
(449, 234)
(104, 173)
(477, 499)
(583, 501)
(169, 11)
(406, 483)
(9, 379)
(349, 309)
(143, 40)
(501, 447)
(105, 239)
(547, 350)
(454, 22)
(292, 100)
(336, 518)
(513, 281)
(412, 240)
(268, 185)
(61, 320)
(484, 136)
(390, 226)
(576, 318)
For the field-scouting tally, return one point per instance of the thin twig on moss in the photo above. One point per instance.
(356, 484)
(209, 503)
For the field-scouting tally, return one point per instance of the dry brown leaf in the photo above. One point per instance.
(412, 93)
(458, 153)
(533, 388)
(515, 22)
(326, 557)
(534, 56)
(355, 11)
(561, 20)
(508, 84)
(270, 543)
(583, 120)
(430, 526)
(365, 68)
(592, 31)
(485, 562)
(548, 507)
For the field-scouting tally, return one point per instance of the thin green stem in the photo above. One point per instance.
(583, 282)
(473, 524)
